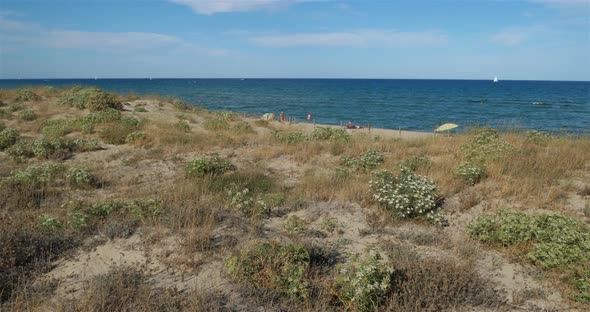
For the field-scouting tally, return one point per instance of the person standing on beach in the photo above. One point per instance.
(308, 117)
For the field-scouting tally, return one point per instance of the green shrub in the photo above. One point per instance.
(486, 145)
(90, 98)
(551, 241)
(135, 136)
(49, 148)
(81, 178)
(117, 132)
(329, 134)
(416, 162)
(146, 210)
(26, 95)
(49, 223)
(86, 145)
(180, 105)
(107, 115)
(407, 195)
(290, 137)
(471, 173)
(8, 137)
(369, 160)
(28, 115)
(364, 282)
(34, 176)
(15, 107)
(20, 151)
(272, 266)
(295, 225)
(208, 166)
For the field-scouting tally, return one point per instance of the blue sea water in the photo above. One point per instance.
(419, 105)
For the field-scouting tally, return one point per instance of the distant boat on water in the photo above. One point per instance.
(495, 79)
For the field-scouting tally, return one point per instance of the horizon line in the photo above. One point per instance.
(286, 78)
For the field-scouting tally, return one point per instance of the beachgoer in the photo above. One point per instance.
(351, 126)
(308, 117)
(282, 117)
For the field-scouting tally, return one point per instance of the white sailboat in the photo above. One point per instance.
(495, 79)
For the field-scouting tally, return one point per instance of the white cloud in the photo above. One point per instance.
(12, 25)
(509, 37)
(357, 38)
(73, 39)
(209, 7)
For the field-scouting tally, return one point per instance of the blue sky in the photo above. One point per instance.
(446, 39)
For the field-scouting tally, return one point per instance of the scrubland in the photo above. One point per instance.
(119, 203)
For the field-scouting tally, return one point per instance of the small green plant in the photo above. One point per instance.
(367, 161)
(135, 137)
(290, 137)
(208, 166)
(329, 134)
(26, 95)
(416, 162)
(20, 151)
(551, 241)
(365, 282)
(486, 145)
(90, 98)
(49, 148)
(329, 225)
(86, 145)
(295, 225)
(272, 266)
(28, 115)
(407, 195)
(48, 222)
(471, 173)
(146, 210)
(15, 107)
(8, 137)
(117, 132)
(81, 178)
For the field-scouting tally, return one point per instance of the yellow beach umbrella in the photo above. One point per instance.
(445, 127)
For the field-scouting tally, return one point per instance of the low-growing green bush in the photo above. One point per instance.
(365, 282)
(20, 151)
(271, 266)
(208, 166)
(86, 145)
(8, 137)
(81, 178)
(15, 107)
(329, 134)
(551, 241)
(50, 148)
(486, 145)
(289, 137)
(471, 173)
(90, 98)
(407, 195)
(367, 161)
(28, 115)
(117, 132)
(26, 95)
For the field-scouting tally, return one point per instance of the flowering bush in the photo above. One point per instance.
(28, 115)
(211, 166)
(369, 160)
(272, 266)
(407, 195)
(7, 138)
(329, 133)
(485, 145)
(364, 282)
(20, 151)
(471, 173)
(247, 202)
(81, 178)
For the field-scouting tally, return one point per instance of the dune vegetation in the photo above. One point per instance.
(113, 202)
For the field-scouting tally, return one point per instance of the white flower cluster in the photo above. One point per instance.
(241, 200)
(471, 173)
(408, 195)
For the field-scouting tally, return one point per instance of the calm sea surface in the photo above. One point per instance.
(407, 104)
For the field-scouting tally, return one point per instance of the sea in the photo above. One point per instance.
(406, 104)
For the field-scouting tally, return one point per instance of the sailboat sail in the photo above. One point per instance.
(495, 79)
